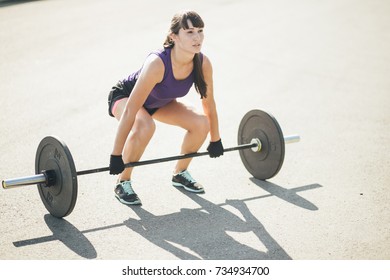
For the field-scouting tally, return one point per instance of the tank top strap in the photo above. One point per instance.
(165, 55)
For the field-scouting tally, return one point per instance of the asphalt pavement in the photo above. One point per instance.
(320, 67)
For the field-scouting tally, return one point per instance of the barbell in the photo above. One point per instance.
(261, 145)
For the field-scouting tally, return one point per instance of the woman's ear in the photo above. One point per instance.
(172, 37)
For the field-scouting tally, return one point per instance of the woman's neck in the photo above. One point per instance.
(181, 58)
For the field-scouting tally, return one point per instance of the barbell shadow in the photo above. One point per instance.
(187, 220)
(288, 195)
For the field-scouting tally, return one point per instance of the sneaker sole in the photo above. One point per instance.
(178, 185)
(137, 202)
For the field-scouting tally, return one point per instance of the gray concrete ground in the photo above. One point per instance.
(321, 67)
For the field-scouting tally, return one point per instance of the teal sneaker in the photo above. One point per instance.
(125, 193)
(185, 180)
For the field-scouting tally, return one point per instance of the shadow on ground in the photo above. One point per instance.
(5, 3)
(201, 233)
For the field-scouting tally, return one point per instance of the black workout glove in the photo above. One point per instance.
(215, 149)
(116, 165)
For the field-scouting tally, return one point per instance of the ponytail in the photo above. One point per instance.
(200, 83)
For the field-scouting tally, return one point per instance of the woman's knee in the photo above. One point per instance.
(145, 132)
(201, 125)
(144, 128)
(139, 138)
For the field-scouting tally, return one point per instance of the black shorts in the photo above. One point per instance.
(122, 90)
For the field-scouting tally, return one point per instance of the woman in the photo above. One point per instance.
(150, 94)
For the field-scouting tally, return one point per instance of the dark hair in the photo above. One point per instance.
(179, 20)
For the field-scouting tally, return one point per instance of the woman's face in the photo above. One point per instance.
(190, 39)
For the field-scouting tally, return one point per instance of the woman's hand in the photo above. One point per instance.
(215, 149)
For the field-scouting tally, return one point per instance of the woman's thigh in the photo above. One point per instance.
(118, 107)
(143, 120)
(184, 116)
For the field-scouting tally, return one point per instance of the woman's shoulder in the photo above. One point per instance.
(206, 63)
(158, 57)
(162, 53)
(153, 61)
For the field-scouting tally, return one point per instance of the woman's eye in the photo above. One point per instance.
(192, 31)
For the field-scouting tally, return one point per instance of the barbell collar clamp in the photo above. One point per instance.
(51, 178)
(256, 148)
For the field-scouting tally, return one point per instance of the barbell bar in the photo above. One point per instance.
(46, 178)
(260, 143)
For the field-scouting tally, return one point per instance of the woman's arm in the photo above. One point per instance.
(208, 103)
(151, 74)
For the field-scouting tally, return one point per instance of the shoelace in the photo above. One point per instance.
(187, 175)
(127, 187)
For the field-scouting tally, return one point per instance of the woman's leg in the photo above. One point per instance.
(139, 137)
(196, 124)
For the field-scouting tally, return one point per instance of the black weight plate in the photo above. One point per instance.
(266, 163)
(53, 154)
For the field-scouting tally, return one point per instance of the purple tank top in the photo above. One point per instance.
(169, 88)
